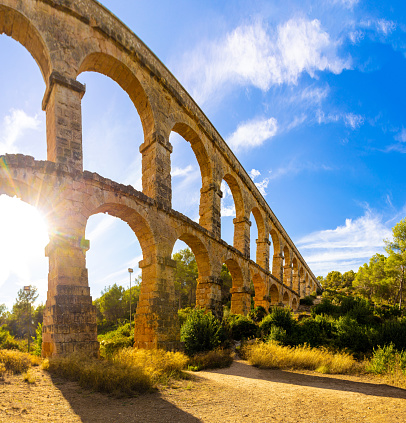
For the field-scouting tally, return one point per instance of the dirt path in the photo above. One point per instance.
(241, 393)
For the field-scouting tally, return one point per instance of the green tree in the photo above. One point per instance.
(186, 274)
(226, 285)
(396, 262)
(348, 279)
(3, 314)
(333, 280)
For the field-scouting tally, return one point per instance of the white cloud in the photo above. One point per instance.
(228, 211)
(13, 127)
(354, 121)
(177, 171)
(254, 173)
(381, 26)
(254, 55)
(253, 133)
(262, 186)
(295, 167)
(349, 4)
(346, 247)
(401, 136)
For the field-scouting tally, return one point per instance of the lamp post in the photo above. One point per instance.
(130, 270)
(27, 289)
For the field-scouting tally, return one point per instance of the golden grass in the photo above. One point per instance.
(272, 355)
(16, 361)
(159, 365)
(129, 372)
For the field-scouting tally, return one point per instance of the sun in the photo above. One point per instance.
(24, 236)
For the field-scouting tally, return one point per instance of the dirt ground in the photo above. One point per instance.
(241, 393)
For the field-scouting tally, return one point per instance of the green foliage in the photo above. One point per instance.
(242, 327)
(352, 336)
(258, 314)
(277, 334)
(186, 274)
(201, 332)
(7, 341)
(183, 314)
(280, 317)
(386, 359)
(307, 301)
(38, 341)
(113, 341)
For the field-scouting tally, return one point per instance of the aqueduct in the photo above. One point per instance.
(66, 38)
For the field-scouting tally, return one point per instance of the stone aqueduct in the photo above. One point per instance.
(66, 38)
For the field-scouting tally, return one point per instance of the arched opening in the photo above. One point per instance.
(287, 269)
(189, 167)
(232, 212)
(274, 295)
(22, 121)
(295, 275)
(114, 248)
(300, 282)
(254, 238)
(275, 257)
(112, 131)
(285, 299)
(226, 287)
(192, 264)
(24, 236)
(294, 304)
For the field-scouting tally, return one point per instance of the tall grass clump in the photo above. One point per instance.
(159, 365)
(216, 359)
(16, 361)
(272, 355)
(101, 375)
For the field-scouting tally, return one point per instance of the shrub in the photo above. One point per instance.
(38, 341)
(325, 307)
(242, 327)
(201, 332)
(258, 314)
(307, 301)
(183, 314)
(352, 336)
(216, 359)
(113, 341)
(15, 361)
(280, 317)
(277, 334)
(7, 341)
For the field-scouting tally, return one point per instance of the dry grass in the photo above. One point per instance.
(272, 355)
(215, 359)
(16, 361)
(129, 372)
(159, 365)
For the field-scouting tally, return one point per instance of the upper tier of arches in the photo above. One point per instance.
(95, 40)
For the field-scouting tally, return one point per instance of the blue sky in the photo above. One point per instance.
(310, 95)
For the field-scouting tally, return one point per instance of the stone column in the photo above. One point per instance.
(210, 209)
(156, 169)
(262, 300)
(295, 281)
(62, 103)
(242, 235)
(277, 267)
(156, 319)
(69, 316)
(208, 294)
(263, 253)
(287, 275)
(240, 300)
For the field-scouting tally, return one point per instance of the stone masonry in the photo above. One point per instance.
(66, 38)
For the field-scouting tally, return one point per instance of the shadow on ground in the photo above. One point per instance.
(94, 407)
(243, 369)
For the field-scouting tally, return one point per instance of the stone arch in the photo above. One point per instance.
(135, 221)
(275, 242)
(294, 303)
(236, 273)
(286, 298)
(295, 274)
(21, 29)
(200, 252)
(286, 255)
(237, 195)
(240, 293)
(186, 132)
(262, 243)
(116, 70)
(274, 295)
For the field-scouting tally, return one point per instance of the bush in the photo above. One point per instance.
(38, 341)
(277, 334)
(352, 336)
(307, 301)
(241, 327)
(258, 314)
(201, 332)
(7, 341)
(280, 317)
(115, 340)
(15, 361)
(216, 359)
(325, 307)
(183, 314)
